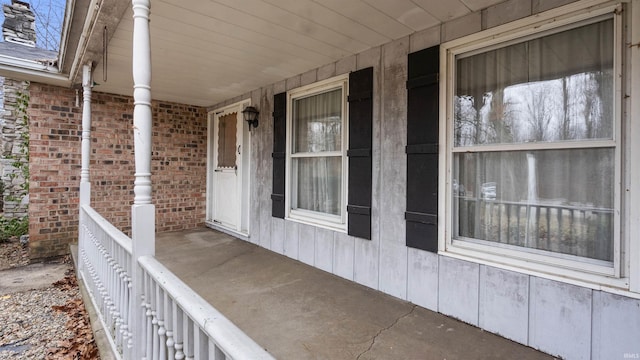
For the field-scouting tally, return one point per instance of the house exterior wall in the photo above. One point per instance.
(14, 200)
(178, 165)
(560, 318)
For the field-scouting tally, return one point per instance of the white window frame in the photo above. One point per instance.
(557, 267)
(333, 222)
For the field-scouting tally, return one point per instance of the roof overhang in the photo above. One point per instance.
(31, 71)
(207, 51)
(81, 43)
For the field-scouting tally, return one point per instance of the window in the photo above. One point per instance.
(227, 140)
(316, 153)
(534, 145)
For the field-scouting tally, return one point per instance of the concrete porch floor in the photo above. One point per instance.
(295, 311)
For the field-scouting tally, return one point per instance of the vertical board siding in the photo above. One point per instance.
(393, 252)
(504, 303)
(277, 235)
(291, 238)
(560, 318)
(265, 230)
(343, 255)
(307, 244)
(615, 326)
(393, 269)
(458, 291)
(256, 192)
(366, 263)
(422, 286)
(323, 257)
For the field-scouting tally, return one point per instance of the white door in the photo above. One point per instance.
(227, 169)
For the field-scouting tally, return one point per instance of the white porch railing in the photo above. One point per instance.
(106, 256)
(176, 323)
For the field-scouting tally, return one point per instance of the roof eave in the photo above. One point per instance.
(32, 71)
(66, 28)
(88, 27)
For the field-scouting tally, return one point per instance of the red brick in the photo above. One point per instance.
(179, 163)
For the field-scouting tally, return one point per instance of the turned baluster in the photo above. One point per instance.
(168, 315)
(178, 316)
(162, 351)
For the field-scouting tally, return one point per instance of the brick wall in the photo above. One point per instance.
(178, 165)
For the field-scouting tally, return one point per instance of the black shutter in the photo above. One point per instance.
(360, 133)
(278, 155)
(422, 149)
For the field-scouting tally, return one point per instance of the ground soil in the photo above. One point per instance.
(42, 315)
(13, 254)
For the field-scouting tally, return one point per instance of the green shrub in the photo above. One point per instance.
(14, 227)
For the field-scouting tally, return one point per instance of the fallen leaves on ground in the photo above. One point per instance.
(82, 345)
(28, 324)
(13, 254)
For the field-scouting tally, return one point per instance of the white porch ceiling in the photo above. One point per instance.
(206, 51)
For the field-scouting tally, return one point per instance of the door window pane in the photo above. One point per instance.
(227, 140)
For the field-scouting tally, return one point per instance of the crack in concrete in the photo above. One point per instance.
(373, 340)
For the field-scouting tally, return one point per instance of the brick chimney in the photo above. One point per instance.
(19, 23)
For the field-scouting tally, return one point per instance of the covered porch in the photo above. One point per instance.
(208, 295)
(304, 283)
(295, 311)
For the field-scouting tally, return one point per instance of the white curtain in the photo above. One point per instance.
(554, 88)
(317, 173)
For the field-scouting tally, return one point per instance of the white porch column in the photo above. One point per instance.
(143, 211)
(85, 184)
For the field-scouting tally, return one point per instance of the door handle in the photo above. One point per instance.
(217, 170)
(239, 149)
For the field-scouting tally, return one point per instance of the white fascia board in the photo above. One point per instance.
(90, 22)
(31, 71)
(27, 64)
(64, 37)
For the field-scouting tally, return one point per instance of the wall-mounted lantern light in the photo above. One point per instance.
(250, 114)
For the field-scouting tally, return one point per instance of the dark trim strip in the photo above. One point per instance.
(359, 152)
(360, 210)
(277, 197)
(278, 155)
(422, 149)
(424, 80)
(421, 218)
(363, 95)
